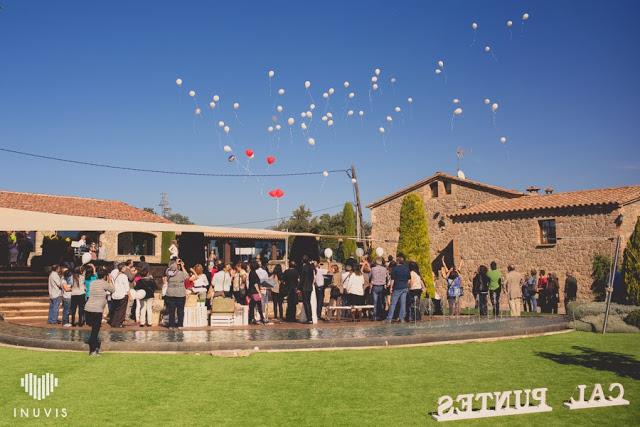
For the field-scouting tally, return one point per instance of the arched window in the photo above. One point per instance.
(136, 244)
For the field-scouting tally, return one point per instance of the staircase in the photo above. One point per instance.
(24, 296)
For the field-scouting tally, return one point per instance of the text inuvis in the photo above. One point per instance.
(527, 401)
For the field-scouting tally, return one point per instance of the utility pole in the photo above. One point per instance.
(612, 274)
(359, 225)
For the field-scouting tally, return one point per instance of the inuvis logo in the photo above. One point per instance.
(39, 387)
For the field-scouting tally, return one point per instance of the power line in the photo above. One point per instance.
(277, 219)
(165, 172)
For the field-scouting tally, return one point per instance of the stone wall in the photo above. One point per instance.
(514, 238)
(110, 241)
(385, 218)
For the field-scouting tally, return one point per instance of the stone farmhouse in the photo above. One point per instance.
(472, 223)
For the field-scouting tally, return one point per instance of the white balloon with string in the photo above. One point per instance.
(456, 112)
(474, 27)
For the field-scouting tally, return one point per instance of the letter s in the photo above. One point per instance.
(444, 405)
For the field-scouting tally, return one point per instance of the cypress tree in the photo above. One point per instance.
(631, 265)
(349, 221)
(414, 238)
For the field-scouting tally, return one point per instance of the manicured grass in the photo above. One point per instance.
(386, 387)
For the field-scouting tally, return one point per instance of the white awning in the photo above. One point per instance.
(17, 219)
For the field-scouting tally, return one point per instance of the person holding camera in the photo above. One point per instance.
(176, 293)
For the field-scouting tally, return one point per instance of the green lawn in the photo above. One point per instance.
(386, 387)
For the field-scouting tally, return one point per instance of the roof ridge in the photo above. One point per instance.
(62, 195)
(439, 174)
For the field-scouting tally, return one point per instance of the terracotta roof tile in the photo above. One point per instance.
(79, 206)
(597, 197)
(468, 182)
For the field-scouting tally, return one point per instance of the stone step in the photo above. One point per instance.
(23, 279)
(44, 314)
(17, 300)
(22, 293)
(24, 285)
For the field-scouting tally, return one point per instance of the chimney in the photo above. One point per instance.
(533, 190)
(548, 190)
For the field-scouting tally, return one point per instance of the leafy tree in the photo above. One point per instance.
(349, 221)
(414, 238)
(600, 268)
(300, 221)
(178, 218)
(631, 265)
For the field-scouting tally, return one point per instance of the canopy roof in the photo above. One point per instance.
(18, 219)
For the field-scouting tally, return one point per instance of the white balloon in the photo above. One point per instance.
(474, 25)
(392, 79)
(487, 101)
(278, 127)
(376, 71)
(329, 122)
(457, 111)
(216, 98)
(397, 109)
(325, 95)
(307, 84)
(494, 106)
(330, 114)
(389, 118)
(379, 251)
(324, 118)
(303, 126)
(353, 180)
(309, 114)
(192, 93)
(374, 79)
(303, 114)
(509, 23)
(381, 129)
(525, 16)
(456, 101)
(328, 253)
(487, 48)
(311, 141)
(290, 121)
(410, 100)
(438, 70)
(221, 124)
(350, 113)
(461, 174)
(441, 63)
(179, 82)
(345, 84)
(198, 111)
(351, 95)
(312, 106)
(212, 105)
(271, 73)
(325, 173)
(270, 129)
(359, 252)
(226, 129)
(236, 105)
(361, 113)
(374, 86)
(279, 108)
(227, 148)
(331, 90)
(280, 91)
(503, 139)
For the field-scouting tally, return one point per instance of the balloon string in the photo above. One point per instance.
(473, 42)
(494, 57)
(238, 118)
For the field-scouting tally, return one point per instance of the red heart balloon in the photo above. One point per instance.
(249, 153)
(271, 160)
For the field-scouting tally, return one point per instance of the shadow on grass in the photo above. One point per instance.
(624, 365)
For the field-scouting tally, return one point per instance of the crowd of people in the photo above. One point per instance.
(379, 289)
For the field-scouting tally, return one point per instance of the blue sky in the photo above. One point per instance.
(95, 81)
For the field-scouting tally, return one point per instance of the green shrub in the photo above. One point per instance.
(600, 268)
(349, 220)
(633, 318)
(414, 238)
(631, 266)
(167, 237)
